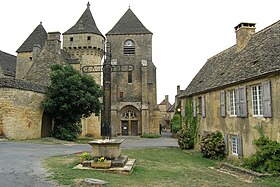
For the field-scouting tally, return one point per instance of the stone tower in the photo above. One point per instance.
(29, 50)
(85, 42)
(134, 101)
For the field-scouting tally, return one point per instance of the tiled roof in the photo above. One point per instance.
(68, 59)
(22, 84)
(260, 57)
(129, 24)
(8, 64)
(85, 24)
(38, 36)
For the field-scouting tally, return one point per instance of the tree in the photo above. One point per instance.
(70, 97)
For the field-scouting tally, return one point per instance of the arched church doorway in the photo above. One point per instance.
(130, 122)
(46, 124)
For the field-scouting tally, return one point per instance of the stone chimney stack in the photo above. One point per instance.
(54, 42)
(244, 31)
(166, 98)
(36, 51)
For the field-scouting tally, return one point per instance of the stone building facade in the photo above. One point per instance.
(23, 87)
(134, 103)
(236, 92)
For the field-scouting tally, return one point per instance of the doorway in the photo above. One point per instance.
(46, 124)
(124, 128)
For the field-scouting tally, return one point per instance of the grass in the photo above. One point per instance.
(161, 167)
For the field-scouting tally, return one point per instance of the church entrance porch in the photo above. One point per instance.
(130, 125)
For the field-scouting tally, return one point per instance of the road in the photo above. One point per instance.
(21, 163)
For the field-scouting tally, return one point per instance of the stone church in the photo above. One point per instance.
(24, 78)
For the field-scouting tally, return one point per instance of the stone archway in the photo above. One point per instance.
(130, 124)
(46, 124)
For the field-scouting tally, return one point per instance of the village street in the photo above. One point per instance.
(20, 163)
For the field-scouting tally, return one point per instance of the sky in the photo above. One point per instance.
(185, 33)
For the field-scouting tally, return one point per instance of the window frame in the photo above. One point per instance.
(232, 103)
(234, 145)
(257, 100)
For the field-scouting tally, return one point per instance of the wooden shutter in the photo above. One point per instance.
(223, 104)
(194, 107)
(243, 102)
(237, 90)
(239, 146)
(203, 112)
(226, 143)
(267, 110)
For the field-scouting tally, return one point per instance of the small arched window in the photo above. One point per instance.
(129, 47)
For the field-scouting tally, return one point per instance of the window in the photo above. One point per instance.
(257, 105)
(234, 145)
(129, 47)
(121, 96)
(232, 102)
(88, 38)
(129, 77)
(71, 39)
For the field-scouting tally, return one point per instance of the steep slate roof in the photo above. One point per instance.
(8, 63)
(85, 24)
(129, 24)
(38, 36)
(260, 57)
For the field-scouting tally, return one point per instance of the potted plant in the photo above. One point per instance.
(101, 162)
(85, 159)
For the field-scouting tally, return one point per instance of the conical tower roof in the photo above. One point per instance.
(38, 36)
(85, 24)
(129, 24)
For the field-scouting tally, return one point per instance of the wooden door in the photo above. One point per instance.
(134, 128)
(124, 128)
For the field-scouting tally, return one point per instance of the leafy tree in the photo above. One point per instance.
(70, 97)
(175, 123)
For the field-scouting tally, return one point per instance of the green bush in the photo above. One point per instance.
(212, 145)
(185, 139)
(175, 123)
(68, 132)
(266, 158)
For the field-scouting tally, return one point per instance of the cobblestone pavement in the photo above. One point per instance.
(20, 163)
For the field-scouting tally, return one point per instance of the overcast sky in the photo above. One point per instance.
(185, 33)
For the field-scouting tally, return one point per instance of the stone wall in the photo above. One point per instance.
(21, 113)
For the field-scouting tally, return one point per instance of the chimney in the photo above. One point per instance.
(53, 41)
(178, 90)
(36, 51)
(166, 98)
(244, 31)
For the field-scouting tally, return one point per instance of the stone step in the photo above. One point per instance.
(120, 162)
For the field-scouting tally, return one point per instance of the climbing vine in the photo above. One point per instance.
(188, 134)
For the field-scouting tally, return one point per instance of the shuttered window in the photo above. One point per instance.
(243, 102)
(257, 104)
(267, 110)
(223, 104)
(194, 107)
(203, 110)
(234, 145)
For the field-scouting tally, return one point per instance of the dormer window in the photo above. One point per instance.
(129, 47)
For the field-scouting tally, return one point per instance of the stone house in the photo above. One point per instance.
(25, 78)
(166, 111)
(237, 90)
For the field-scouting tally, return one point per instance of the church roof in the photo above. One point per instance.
(260, 57)
(129, 24)
(38, 36)
(8, 63)
(85, 24)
